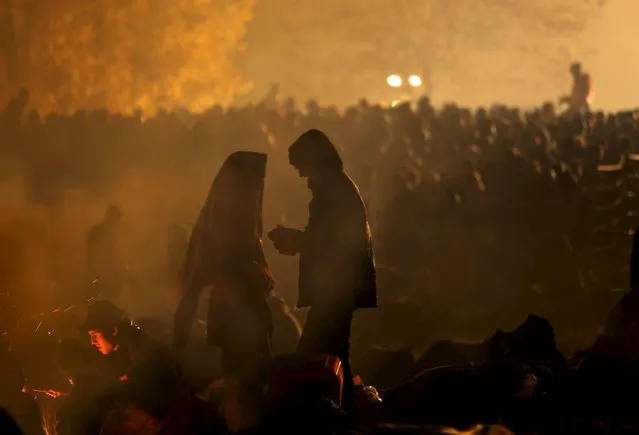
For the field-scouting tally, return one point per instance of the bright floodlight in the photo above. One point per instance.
(394, 81)
(415, 81)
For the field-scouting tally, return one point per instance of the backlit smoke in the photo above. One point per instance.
(127, 55)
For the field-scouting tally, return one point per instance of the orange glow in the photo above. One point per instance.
(126, 56)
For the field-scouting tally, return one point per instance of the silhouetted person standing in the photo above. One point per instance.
(225, 255)
(104, 263)
(337, 265)
(581, 93)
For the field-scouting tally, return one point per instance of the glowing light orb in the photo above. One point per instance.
(394, 81)
(396, 103)
(415, 81)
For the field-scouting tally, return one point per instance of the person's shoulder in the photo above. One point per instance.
(351, 193)
(146, 347)
(345, 186)
(148, 354)
(138, 338)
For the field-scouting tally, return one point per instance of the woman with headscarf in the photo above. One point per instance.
(226, 254)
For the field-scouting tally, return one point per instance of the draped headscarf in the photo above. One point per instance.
(225, 245)
(230, 219)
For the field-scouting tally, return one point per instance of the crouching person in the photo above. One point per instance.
(148, 377)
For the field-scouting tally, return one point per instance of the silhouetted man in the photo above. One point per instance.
(104, 264)
(337, 265)
(579, 99)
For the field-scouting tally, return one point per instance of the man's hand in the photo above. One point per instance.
(287, 241)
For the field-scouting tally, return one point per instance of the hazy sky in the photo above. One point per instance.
(615, 66)
(477, 52)
(521, 65)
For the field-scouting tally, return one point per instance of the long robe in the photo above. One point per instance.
(225, 254)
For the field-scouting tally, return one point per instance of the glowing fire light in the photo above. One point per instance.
(415, 81)
(394, 81)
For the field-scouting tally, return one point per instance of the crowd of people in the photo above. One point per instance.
(478, 218)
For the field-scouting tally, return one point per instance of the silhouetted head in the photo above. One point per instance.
(113, 214)
(575, 68)
(313, 154)
(536, 333)
(313, 108)
(233, 209)
(102, 323)
(22, 97)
